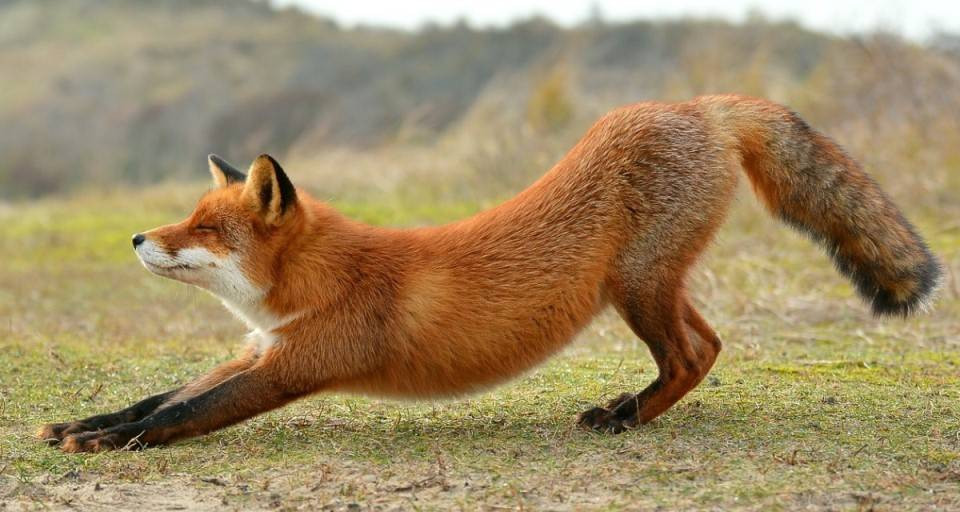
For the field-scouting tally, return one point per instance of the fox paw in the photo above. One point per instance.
(618, 415)
(605, 420)
(99, 441)
(54, 433)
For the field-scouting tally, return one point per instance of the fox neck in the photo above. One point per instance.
(326, 255)
(318, 265)
(234, 287)
(246, 300)
(260, 320)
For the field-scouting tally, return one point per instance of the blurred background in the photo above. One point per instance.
(452, 100)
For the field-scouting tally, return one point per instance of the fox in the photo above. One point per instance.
(335, 305)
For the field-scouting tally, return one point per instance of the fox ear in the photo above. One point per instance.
(269, 190)
(223, 173)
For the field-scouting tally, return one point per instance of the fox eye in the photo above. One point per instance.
(205, 227)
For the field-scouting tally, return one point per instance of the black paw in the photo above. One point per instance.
(605, 420)
(116, 438)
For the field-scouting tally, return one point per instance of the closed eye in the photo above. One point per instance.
(205, 227)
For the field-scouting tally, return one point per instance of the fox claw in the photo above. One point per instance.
(53, 433)
(618, 415)
(99, 441)
(605, 420)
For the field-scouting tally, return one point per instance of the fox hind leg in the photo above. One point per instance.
(684, 348)
(686, 203)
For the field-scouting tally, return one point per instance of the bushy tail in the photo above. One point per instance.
(808, 181)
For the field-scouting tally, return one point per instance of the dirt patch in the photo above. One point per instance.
(180, 492)
(350, 486)
(336, 486)
(90, 494)
(355, 486)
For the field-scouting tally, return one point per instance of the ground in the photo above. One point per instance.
(813, 403)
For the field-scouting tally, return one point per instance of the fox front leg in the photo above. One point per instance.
(55, 432)
(237, 398)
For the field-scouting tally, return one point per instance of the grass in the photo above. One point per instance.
(813, 403)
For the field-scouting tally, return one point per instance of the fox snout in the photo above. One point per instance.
(168, 252)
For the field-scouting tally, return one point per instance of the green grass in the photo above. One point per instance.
(813, 403)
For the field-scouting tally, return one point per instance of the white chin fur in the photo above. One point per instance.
(221, 276)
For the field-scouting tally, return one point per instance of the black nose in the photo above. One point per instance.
(138, 239)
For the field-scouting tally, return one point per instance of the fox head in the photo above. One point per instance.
(234, 238)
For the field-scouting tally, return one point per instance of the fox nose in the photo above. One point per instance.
(138, 239)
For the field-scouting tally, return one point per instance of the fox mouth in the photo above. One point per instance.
(180, 266)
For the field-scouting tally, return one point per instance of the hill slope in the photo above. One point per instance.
(138, 91)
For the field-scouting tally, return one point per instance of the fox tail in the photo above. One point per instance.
(809, 182)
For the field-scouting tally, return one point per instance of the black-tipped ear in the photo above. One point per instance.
(269, 190)
(223, 173)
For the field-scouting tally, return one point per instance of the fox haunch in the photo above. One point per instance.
(336, 305)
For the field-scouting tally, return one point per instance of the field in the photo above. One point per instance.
(813, 404)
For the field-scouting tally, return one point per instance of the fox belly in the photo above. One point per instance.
(476, 340)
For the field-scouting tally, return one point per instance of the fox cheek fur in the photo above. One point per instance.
(335, 305)
(220, 274)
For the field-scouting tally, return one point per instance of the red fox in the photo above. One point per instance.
(336, 305)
